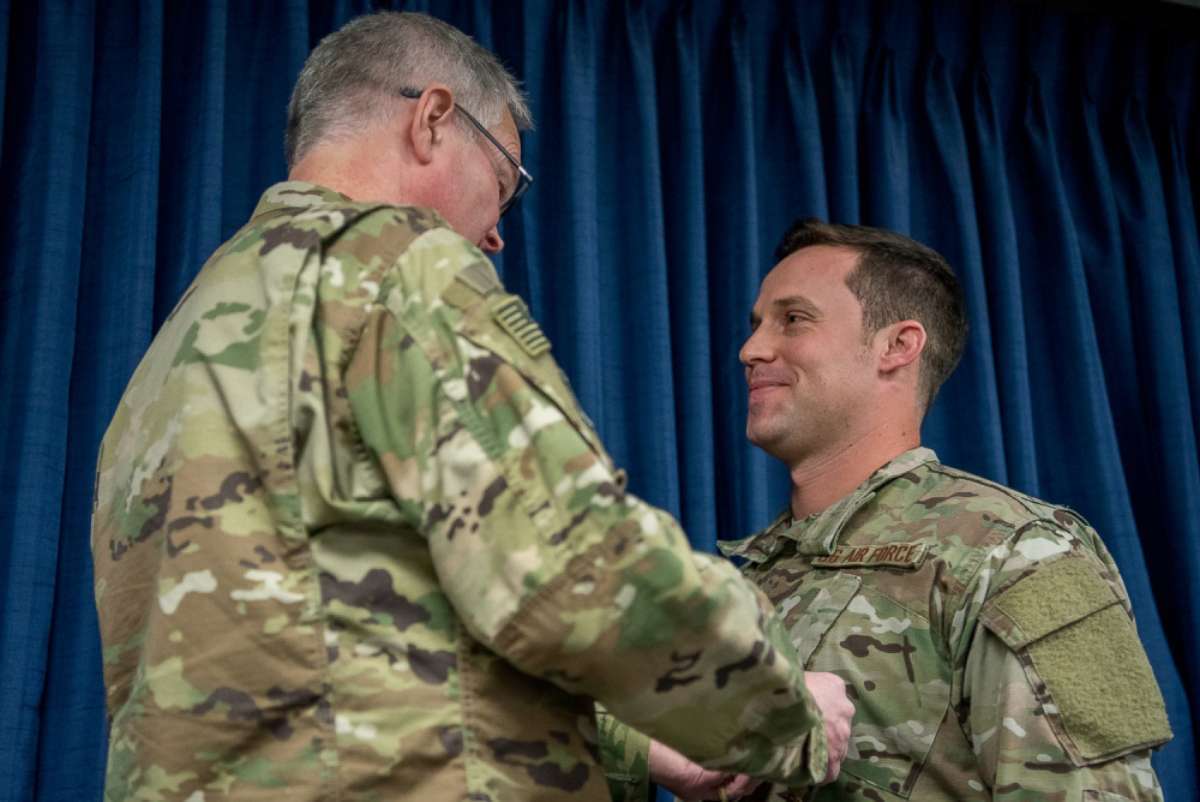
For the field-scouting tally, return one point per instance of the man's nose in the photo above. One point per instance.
(755, 349)
(492, 241)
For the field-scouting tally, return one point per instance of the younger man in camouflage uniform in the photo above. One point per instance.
(986, 636)
(353, 537)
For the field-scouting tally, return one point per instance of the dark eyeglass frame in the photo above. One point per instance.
(524, 179)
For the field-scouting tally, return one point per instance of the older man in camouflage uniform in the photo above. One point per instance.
(986, 636)
(354, 538)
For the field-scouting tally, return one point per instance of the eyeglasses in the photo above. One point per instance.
(524, 179)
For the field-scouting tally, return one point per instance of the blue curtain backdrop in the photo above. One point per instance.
(1052, 154)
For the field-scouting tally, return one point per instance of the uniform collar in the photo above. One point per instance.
(819, 532)
(292, 195)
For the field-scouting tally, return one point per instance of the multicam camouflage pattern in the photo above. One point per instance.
(353, 539)
(985, 638)
(624, 753)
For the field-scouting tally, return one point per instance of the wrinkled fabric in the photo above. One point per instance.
(1050, 151)
(922, 590)
(354, 539)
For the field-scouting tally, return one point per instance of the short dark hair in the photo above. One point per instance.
(896, 279)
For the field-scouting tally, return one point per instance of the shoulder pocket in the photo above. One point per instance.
(1083, 659)
(499, 322)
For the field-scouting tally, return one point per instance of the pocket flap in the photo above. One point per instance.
(1056, 595)
(499, 322)
(1083, 659)
(818, 607)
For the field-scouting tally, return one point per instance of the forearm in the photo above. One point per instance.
(678, 646)
(574, 580)
(549, 563)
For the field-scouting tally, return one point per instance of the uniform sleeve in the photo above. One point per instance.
(544, 557)
(625, 756)
(1061, 701)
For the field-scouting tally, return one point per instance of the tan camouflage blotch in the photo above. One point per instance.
(354, 540)
(899, 589)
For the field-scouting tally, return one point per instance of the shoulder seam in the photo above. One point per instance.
(1015, 495)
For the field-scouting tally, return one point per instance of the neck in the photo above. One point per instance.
(366, 168)
(822, 479)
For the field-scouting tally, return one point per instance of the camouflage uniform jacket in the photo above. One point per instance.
(985, 637)
(354, 540)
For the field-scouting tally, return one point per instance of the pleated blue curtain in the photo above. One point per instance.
(1053, 155)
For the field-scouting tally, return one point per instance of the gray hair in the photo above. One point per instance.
(374, 57)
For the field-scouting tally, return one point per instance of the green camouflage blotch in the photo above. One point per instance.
(387, 551)
(951, 700)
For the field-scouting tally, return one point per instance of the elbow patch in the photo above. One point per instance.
(1083, 658)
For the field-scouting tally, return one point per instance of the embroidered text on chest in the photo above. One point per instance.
(896, 555)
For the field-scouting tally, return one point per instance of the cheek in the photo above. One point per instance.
(484, 188)
(469, 215)
(448, 203)
(485, 209)
(807, 355)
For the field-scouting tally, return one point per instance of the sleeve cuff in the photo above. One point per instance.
(624, 754)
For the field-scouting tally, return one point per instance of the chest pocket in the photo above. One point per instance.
(897, 680)
(811, 612)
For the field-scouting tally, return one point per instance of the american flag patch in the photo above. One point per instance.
(513, 317)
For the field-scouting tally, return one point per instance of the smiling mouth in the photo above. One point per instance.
(759, 390)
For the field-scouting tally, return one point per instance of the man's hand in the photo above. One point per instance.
(829, 692)
(690, 781)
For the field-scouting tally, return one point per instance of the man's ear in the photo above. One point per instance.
(430, 120)
(901, 345)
